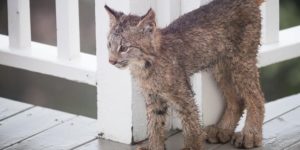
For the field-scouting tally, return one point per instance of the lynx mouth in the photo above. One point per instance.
(122, 64)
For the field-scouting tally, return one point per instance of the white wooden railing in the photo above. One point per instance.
(121, 110)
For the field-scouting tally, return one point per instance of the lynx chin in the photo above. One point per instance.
(221, 37)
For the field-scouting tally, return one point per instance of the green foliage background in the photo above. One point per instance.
(283, 79)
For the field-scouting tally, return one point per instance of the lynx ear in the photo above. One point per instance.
(114, 16)
(147, 22)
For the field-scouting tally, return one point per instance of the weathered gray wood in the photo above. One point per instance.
(275, 109)
(68, 135)
(283, 131)
(176, 143)
(279, 133)
(9, 108)
(295, 146)
(29, 123)
(100, 144)
(280, 106)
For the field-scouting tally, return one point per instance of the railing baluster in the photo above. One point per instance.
(270, 22)
(167, 11)
(67, 20)
(19, 23)
(188, 5)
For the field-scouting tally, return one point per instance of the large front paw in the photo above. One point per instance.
(141, 148)
(189, 148)
(218, 135)
(247, 139)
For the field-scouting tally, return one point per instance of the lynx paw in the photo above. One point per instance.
(246, 139)
(218, 135)
(141, 148)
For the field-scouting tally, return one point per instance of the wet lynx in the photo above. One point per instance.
(222, 38)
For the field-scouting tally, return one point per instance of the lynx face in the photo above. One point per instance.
(130, 38)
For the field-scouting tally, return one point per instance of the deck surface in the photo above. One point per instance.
(27, 127)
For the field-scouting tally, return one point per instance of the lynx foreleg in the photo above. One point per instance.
(156, 114)
(187, 109)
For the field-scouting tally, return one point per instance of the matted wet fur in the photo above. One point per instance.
(221, 37)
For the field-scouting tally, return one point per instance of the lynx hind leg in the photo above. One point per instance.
(224, 129)
(246, 81)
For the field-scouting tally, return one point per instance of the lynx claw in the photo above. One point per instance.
(246, 140)
(218, 135)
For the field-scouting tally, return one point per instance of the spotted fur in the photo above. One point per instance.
(222, 38)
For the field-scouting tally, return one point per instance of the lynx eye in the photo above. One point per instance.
(123, 49)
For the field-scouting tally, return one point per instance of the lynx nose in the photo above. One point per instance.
(113, 62)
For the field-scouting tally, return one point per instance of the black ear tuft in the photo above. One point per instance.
(114, 16)
(147, 22)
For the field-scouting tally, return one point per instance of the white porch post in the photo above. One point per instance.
(67, 24)
(121, 108)
(19, 29)
(270, 21)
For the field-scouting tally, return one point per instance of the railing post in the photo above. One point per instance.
(121, 108)
(270, 21)
(67, 22)
(19, 29)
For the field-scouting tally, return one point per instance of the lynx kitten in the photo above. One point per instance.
(222, 38)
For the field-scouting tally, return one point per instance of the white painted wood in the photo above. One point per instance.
(212, 101)
(67, 23)
(19, 23)
(121, 112)
(189, 5)
(204, 2)
(43, 59)
(287, 48)
(167, 11)
(270, 21)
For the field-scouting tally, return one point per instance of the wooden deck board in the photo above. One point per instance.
(176, 143)
(100, 144)
(68, 135)
(283, 131)
(27, 128)
(9, 108)
(279, 133)
(29, 123)
(295, 146)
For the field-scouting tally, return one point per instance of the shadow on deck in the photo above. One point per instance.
(28, 127)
